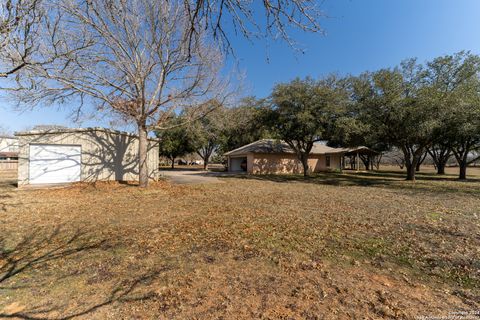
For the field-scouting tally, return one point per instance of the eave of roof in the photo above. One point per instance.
(278, 147)
(78, 130)
(8, 154)
(262, 146)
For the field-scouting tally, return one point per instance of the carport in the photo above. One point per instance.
(353, 158)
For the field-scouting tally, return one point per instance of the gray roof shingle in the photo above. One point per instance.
(279, 146)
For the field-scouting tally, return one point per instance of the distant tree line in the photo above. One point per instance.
(416, 109)
(220, 130)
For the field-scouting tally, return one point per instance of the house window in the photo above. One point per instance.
(327, 161)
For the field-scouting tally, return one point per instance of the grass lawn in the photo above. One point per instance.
(366, 245)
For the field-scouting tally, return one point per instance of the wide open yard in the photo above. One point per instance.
(335, 246)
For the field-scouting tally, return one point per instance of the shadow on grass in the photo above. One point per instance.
(420, 176)
(425, 182)
(183, 168)
(8, 183)
(40, 248)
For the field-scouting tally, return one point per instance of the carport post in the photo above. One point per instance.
(358, 162)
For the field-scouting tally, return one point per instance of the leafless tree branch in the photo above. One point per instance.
(127, 57)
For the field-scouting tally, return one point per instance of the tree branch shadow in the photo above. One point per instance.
(388, 180)
(123, 292)
(41, 247)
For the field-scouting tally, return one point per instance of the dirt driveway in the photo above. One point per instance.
(191, 176)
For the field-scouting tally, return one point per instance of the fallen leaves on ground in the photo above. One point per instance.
(247, 248)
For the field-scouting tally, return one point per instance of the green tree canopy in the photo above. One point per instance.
(245, 124)
(395, 105)
(176, 141)
(304, 112)
(209, 131)
(455, 85)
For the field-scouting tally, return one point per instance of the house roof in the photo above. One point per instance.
(360, 149)
(262, 146)
(279, 146)
(75, 130)
(275, 146)
(8, 154)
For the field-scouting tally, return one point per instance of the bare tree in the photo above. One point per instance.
(127, 57)
(20, 19)
(19, 22)
(252, 19)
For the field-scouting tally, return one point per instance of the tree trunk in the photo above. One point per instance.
(205, 153)
(441, 168)
(378, 159)
(142, 156)
(305, 166)
(463, 170)
(173, 163)
(420, 161)
(411, 158)
(411, 165)
(417, 167)
(366, 162)
(410, 171)
(440, 156)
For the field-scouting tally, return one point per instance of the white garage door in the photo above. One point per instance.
(54, 163)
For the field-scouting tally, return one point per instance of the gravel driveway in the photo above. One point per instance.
(190, 176)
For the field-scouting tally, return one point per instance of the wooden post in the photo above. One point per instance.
(358, 162)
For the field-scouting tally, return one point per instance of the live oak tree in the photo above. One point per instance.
(129, 58)
(303, 112)
(352, 128)
(209, 131)
(440, 153)
(394, 103)
(421, 108)
(245, 123)
(464, 128)
(466, 148)
(176, 141)
(224, 129)
(350, 131)
(422, 159)
(455, 86)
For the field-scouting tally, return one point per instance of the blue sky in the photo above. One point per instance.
(360, 35)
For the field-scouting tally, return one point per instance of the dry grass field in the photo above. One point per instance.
(335, 246)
